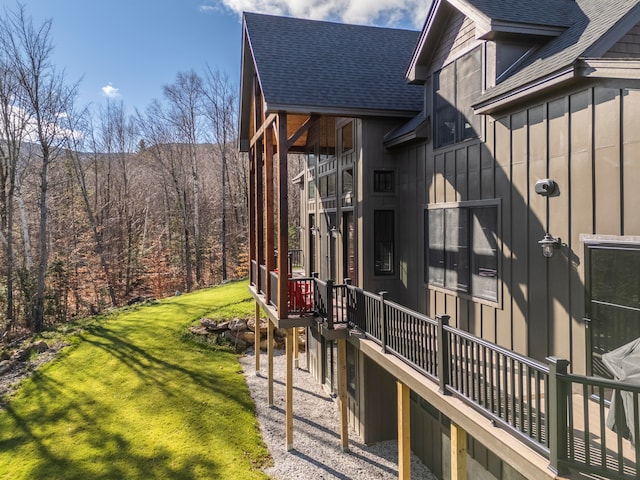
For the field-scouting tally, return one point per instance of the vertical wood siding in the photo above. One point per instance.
(588, 142)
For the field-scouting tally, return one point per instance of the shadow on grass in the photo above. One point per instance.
(51, 412)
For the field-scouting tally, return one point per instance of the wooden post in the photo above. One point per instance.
(443, 352)
(404, 432)
(252, 212)
(458, 453)
(342, 394)
(283, 218)
(270, 362)
(259, 214)
(256, 339)
(289, 387)
(296, 349)
(269, 205)
(329, 305)
(383, 321)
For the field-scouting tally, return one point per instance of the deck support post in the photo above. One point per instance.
(270, 363)
(458, 453)
(256, 339)
(296, 349)
(342, 394)
(404, 432)
(289, 388)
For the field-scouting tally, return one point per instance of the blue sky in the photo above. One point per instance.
(129, 49)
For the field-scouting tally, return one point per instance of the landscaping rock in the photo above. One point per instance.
(198, 330)
(263, 326)
(241, 333)
(247, 336)
(237, 325)
(237, 342)
(221, 327)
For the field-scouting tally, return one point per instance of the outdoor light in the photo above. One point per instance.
(334, 232)
(548, 244)
(314, 230)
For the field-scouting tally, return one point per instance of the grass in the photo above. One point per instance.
(129, 399)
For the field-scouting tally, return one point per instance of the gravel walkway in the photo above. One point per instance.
(317, 454)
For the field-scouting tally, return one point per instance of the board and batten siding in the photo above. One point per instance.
(589, 143)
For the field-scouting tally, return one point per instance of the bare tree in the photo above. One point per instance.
(184, 98)
(220, 110)
(13, 123)
(167, 153)
(45, 99)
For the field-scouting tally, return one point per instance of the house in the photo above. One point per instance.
(482, 174)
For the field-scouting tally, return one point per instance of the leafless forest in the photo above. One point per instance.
(99, 207)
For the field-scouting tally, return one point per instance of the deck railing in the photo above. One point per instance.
(301, 295)
(262, 279)
(273, 289)
(295, 258)
(509, 387)
(253, 273)
(560, 415)
(594, 447)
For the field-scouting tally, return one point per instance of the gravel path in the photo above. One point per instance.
(317, 454)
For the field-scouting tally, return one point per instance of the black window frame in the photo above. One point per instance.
(466, 265)
(384, 181)
(605, 294)
(384, 242)
(455, 88)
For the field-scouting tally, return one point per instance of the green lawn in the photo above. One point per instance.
(132, 400)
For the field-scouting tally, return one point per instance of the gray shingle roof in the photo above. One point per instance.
(591, 20)
(555, 13)
(307, 63)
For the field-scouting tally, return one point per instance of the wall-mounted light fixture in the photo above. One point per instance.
(549, 244)
(314, 230)
(334, 231)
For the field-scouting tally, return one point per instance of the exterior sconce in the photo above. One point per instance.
(314, 230)
(334, 232)
(549, 244)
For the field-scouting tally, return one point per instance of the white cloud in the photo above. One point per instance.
(207, 8)
(390, 13)
(110, 91)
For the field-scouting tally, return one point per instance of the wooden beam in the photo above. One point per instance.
(252, 208)
(342, 394)
(269, 363)
(259, 211)
(269, 206)
(308, 123)
(260, 132)
(458, 453)
(256, 339)
(283, 218)
(404, 432)
(289, 387)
